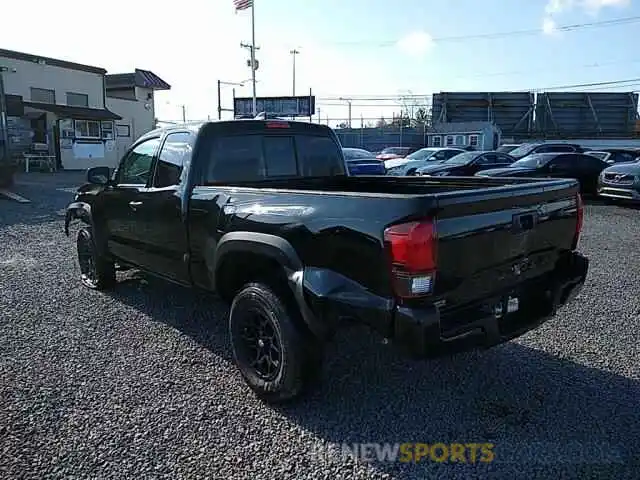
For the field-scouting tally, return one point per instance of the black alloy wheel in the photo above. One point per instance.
(96, 272)
(260, 345)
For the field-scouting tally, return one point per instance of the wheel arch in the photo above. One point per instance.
(242, 257)
(77, 211)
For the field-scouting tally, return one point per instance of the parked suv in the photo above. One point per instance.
(531, 148)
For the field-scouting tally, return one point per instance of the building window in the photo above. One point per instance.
(107, 130)
(460, 140)
(87, 129)
(43, 95)
(66, 128)
(436, 141)
(123, 130)
(473, 140)
(449, 140)
(77, 99)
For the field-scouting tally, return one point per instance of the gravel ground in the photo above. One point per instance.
(139, 383)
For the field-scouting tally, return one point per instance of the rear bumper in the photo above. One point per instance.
(429, 332)
(630, 192)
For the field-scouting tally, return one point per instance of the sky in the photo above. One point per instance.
(348, 48)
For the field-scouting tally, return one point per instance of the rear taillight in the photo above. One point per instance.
(579, 220)
(277, 124)
(412, 251)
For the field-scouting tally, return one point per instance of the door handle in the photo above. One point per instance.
(135, 205)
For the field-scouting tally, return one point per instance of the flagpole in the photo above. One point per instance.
(253, 55)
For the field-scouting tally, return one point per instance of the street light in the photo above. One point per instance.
(243, 83)
(220, 83)
(184, 110)
(348, 100)
(293, 53)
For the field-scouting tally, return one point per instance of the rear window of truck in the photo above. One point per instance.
(254, 157)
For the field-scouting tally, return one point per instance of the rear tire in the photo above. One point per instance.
(277, 357)
(96, 271)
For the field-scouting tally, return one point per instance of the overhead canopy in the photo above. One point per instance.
(74, 112)
(139, 78)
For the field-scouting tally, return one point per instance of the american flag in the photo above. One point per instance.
(242, 4)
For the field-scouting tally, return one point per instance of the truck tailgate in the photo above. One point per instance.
(492, 240)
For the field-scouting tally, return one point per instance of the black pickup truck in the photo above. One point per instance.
(265, 214)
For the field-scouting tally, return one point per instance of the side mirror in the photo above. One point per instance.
(98, 175)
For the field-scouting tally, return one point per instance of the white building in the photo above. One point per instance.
(132, 96)
(62, 107)
(478, 135)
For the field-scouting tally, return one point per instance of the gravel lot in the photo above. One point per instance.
(139, 383)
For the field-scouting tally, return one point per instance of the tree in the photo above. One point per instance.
(381, 123)
(401, 121)
(421, 117)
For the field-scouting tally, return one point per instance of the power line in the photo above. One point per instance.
(395, 97)
(537, 70)
(499, 35)
(617, 83)
(399, 97)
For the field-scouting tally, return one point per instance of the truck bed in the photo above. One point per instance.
(337, 224)
(401, 186)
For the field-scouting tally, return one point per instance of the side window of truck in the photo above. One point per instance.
(136, 165)
(176, 150)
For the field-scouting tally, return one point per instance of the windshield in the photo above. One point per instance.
(462, 158)
(523, 150)
(506, 148)
(600, 155)
(534, 161)
(421, 154)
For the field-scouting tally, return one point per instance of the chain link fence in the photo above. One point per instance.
(377, 138)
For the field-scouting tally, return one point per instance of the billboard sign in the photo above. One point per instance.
(278, 106)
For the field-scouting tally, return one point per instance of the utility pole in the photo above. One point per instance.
(348, 100)
(293, 53)
(253, 64)
(4, 126)
(184, 114)
(219, 103)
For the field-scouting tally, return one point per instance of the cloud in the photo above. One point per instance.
(549, 26)
(554, 8)
(415, 44)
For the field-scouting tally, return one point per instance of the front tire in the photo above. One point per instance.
(96, 271)
(275, 354)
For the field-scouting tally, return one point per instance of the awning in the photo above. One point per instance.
(82, 113)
